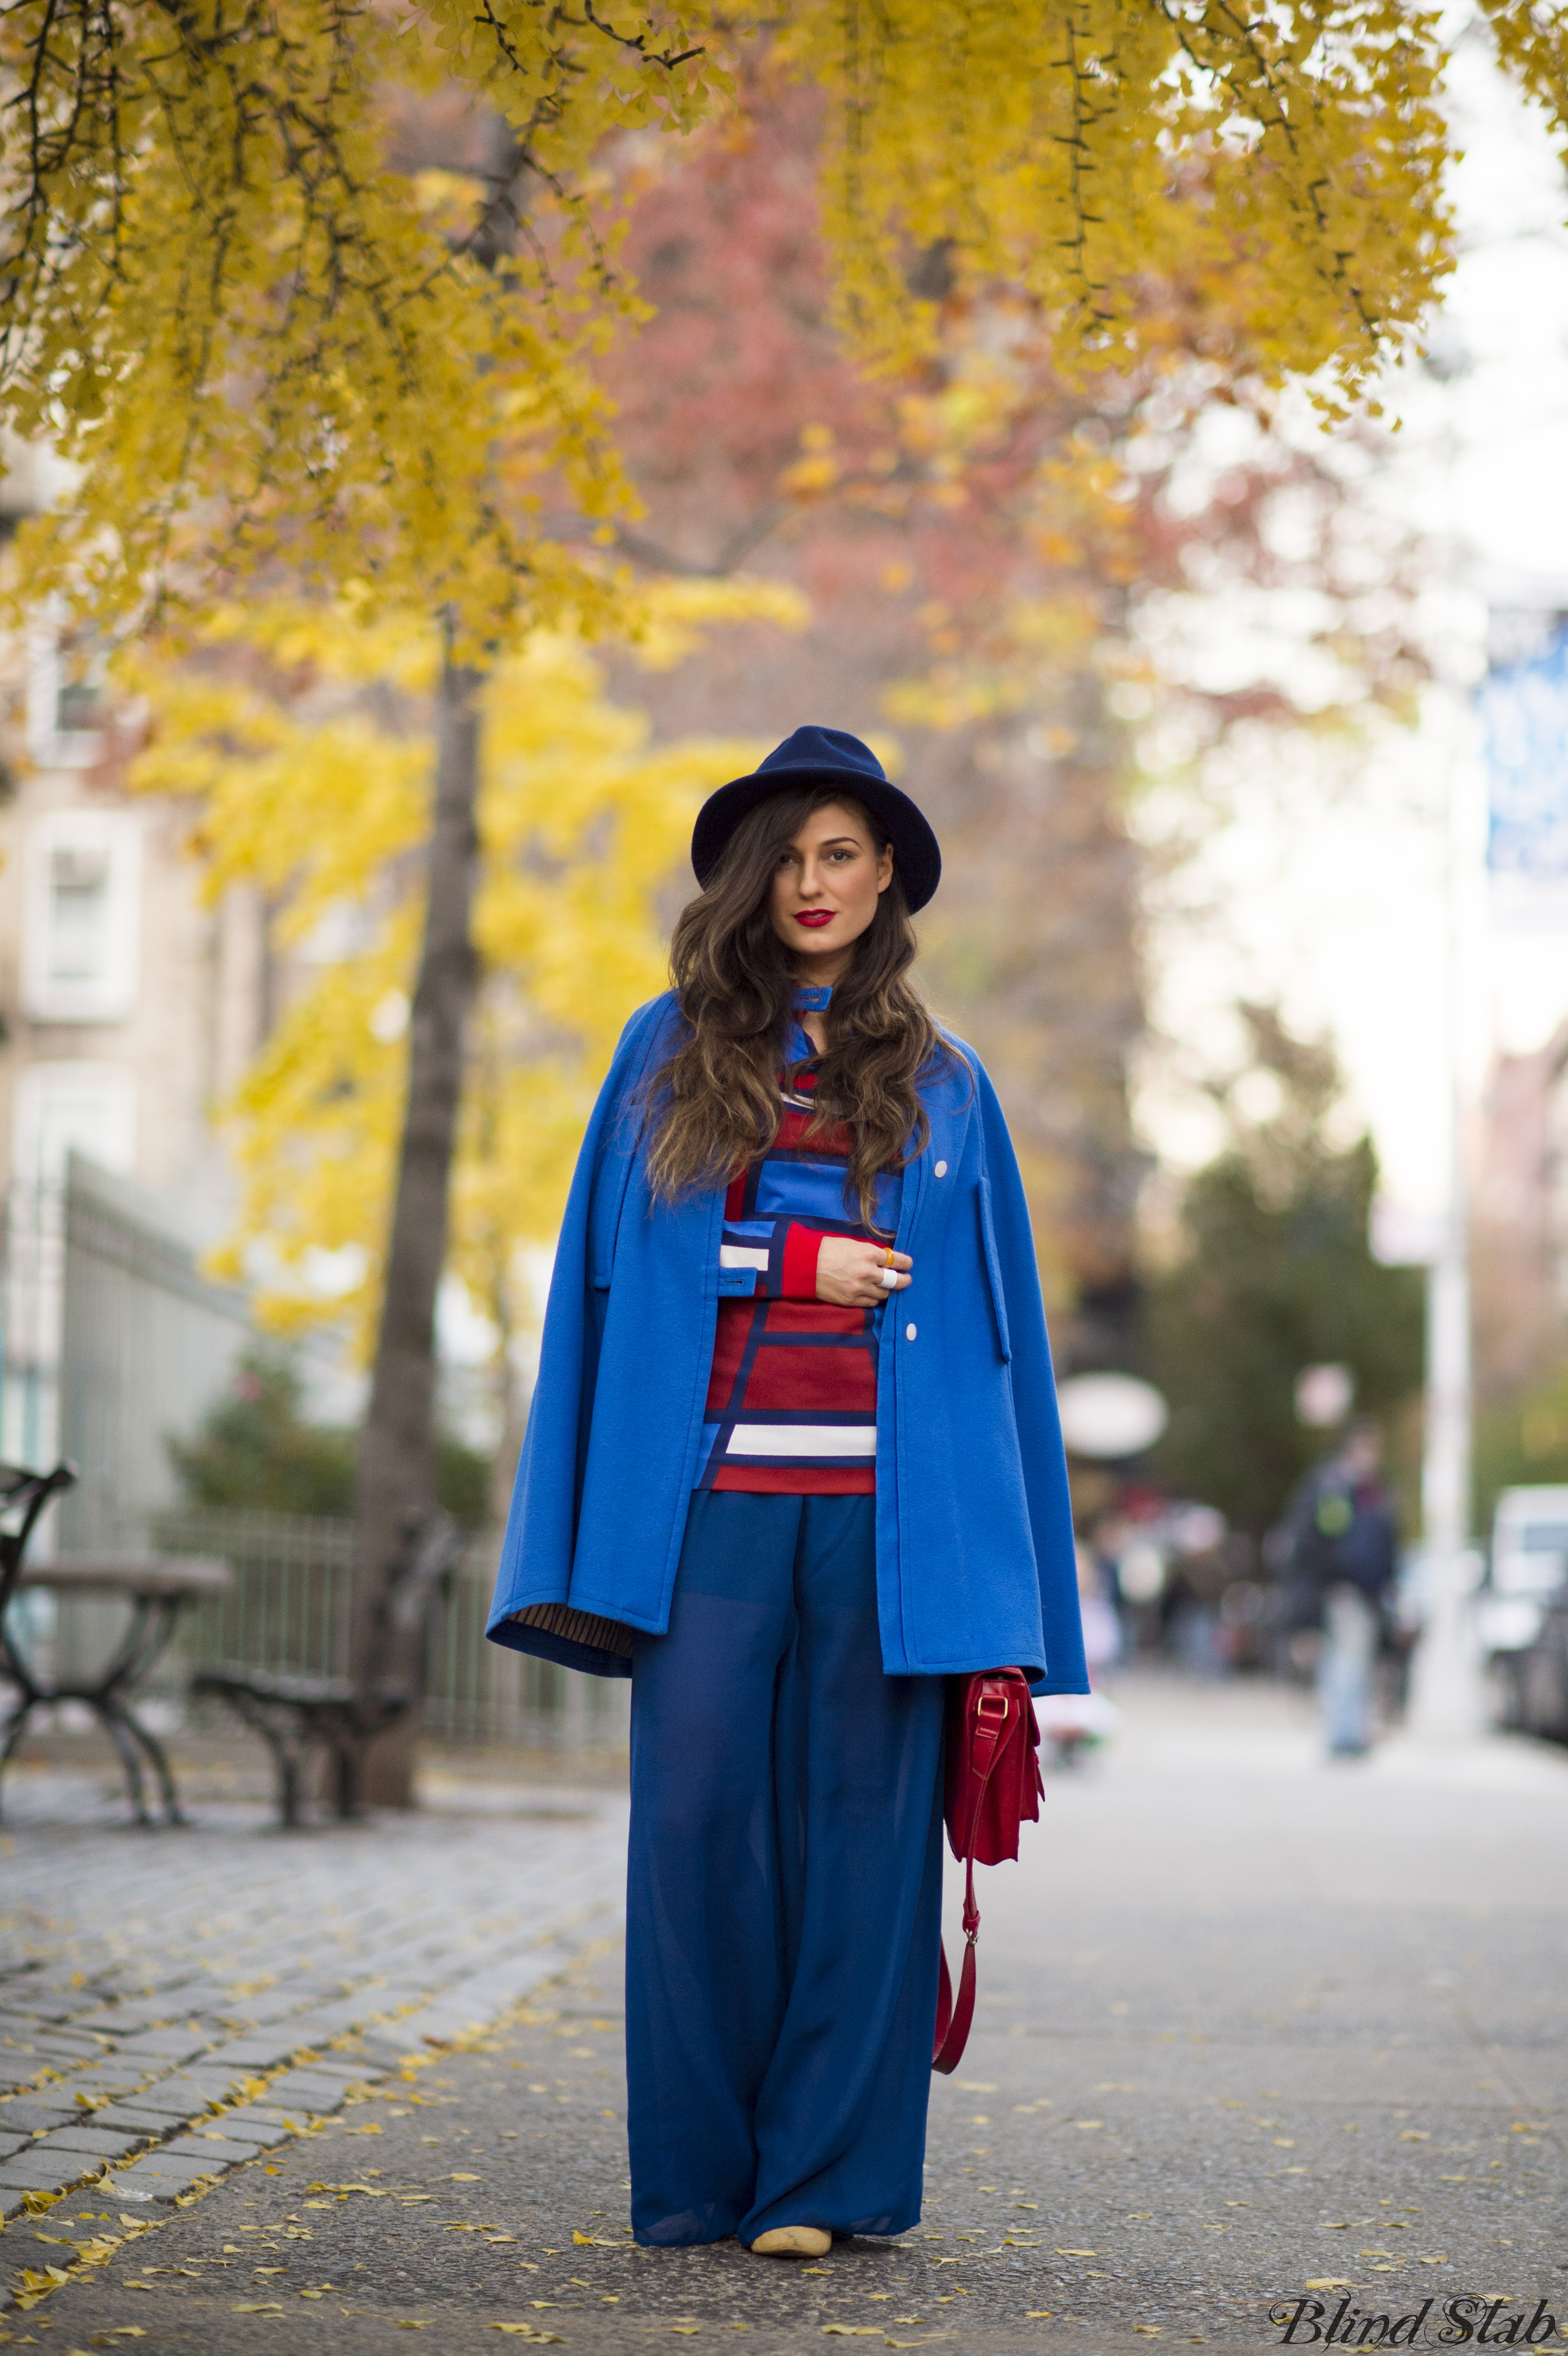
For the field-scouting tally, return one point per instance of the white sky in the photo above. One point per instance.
(1325, 890)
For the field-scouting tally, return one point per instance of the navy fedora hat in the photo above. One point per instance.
(825, 756)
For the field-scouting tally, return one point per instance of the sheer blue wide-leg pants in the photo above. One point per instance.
(785, 1887)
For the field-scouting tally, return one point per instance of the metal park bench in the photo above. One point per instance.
(155, 1585)
(298, 1716)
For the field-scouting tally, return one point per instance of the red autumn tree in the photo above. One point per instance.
(984, 551)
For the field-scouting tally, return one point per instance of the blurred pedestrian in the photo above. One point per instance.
(789, 1502)
(1097, 1611)
(1074, 1724)
(1340, 1557)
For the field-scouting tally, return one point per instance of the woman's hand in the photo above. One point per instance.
(855, 1276)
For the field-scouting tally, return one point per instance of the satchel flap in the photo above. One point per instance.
(993, 1775)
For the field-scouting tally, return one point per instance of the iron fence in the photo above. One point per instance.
(288, 1610)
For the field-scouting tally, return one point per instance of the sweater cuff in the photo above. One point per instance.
(798, 1276)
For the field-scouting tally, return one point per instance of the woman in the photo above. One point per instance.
(793, 1460)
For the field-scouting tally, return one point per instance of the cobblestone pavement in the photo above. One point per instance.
(172, 2002)
(1253, 2030)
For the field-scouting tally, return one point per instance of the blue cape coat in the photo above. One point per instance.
(975, 1555)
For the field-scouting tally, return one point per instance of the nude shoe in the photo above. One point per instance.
(793, 2242)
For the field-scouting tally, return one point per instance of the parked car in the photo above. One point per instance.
(1522, 1611)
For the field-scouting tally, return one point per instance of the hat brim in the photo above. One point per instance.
(917, 854)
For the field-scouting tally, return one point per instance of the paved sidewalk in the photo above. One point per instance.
(1253, 2030)
(153, 1979)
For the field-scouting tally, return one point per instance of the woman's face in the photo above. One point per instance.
(825, 888)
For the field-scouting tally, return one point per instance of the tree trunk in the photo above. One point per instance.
(397, 1478)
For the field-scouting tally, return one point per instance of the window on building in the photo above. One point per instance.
(60, 1108)
(80, 941)
(79, 684)
(67, 695)
(79, 914)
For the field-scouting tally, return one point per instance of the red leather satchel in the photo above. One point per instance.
(993, 1783)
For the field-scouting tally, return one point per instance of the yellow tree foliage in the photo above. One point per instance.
(255, 335)
(299, 737)
(257, 339)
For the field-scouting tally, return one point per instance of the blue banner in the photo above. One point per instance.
(1524, 716)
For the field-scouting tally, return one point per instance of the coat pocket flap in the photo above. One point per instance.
(994, 1271)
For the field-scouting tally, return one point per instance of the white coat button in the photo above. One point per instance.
(908, 1333)
(942, 1169)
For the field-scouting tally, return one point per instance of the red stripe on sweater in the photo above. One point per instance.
(800, 1480)
(840, 1381)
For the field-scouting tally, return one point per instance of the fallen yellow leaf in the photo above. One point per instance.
(257, 2306)
(1077, 2254)
(1328, 2282)
(467, 2177)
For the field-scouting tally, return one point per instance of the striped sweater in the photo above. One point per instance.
(792, 1395)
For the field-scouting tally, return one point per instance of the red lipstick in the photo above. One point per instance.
(814, 918)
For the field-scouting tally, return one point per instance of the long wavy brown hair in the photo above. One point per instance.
(714, 1104)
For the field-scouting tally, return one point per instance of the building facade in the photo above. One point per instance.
(128, 1007)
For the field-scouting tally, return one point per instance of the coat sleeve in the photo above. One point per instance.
(541, 1526)
(1034, 1402)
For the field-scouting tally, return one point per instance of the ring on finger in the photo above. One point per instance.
(889, 1277)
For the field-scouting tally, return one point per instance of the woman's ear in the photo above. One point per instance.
(885, 868)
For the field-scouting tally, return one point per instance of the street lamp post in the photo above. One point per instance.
(1446, 1703)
